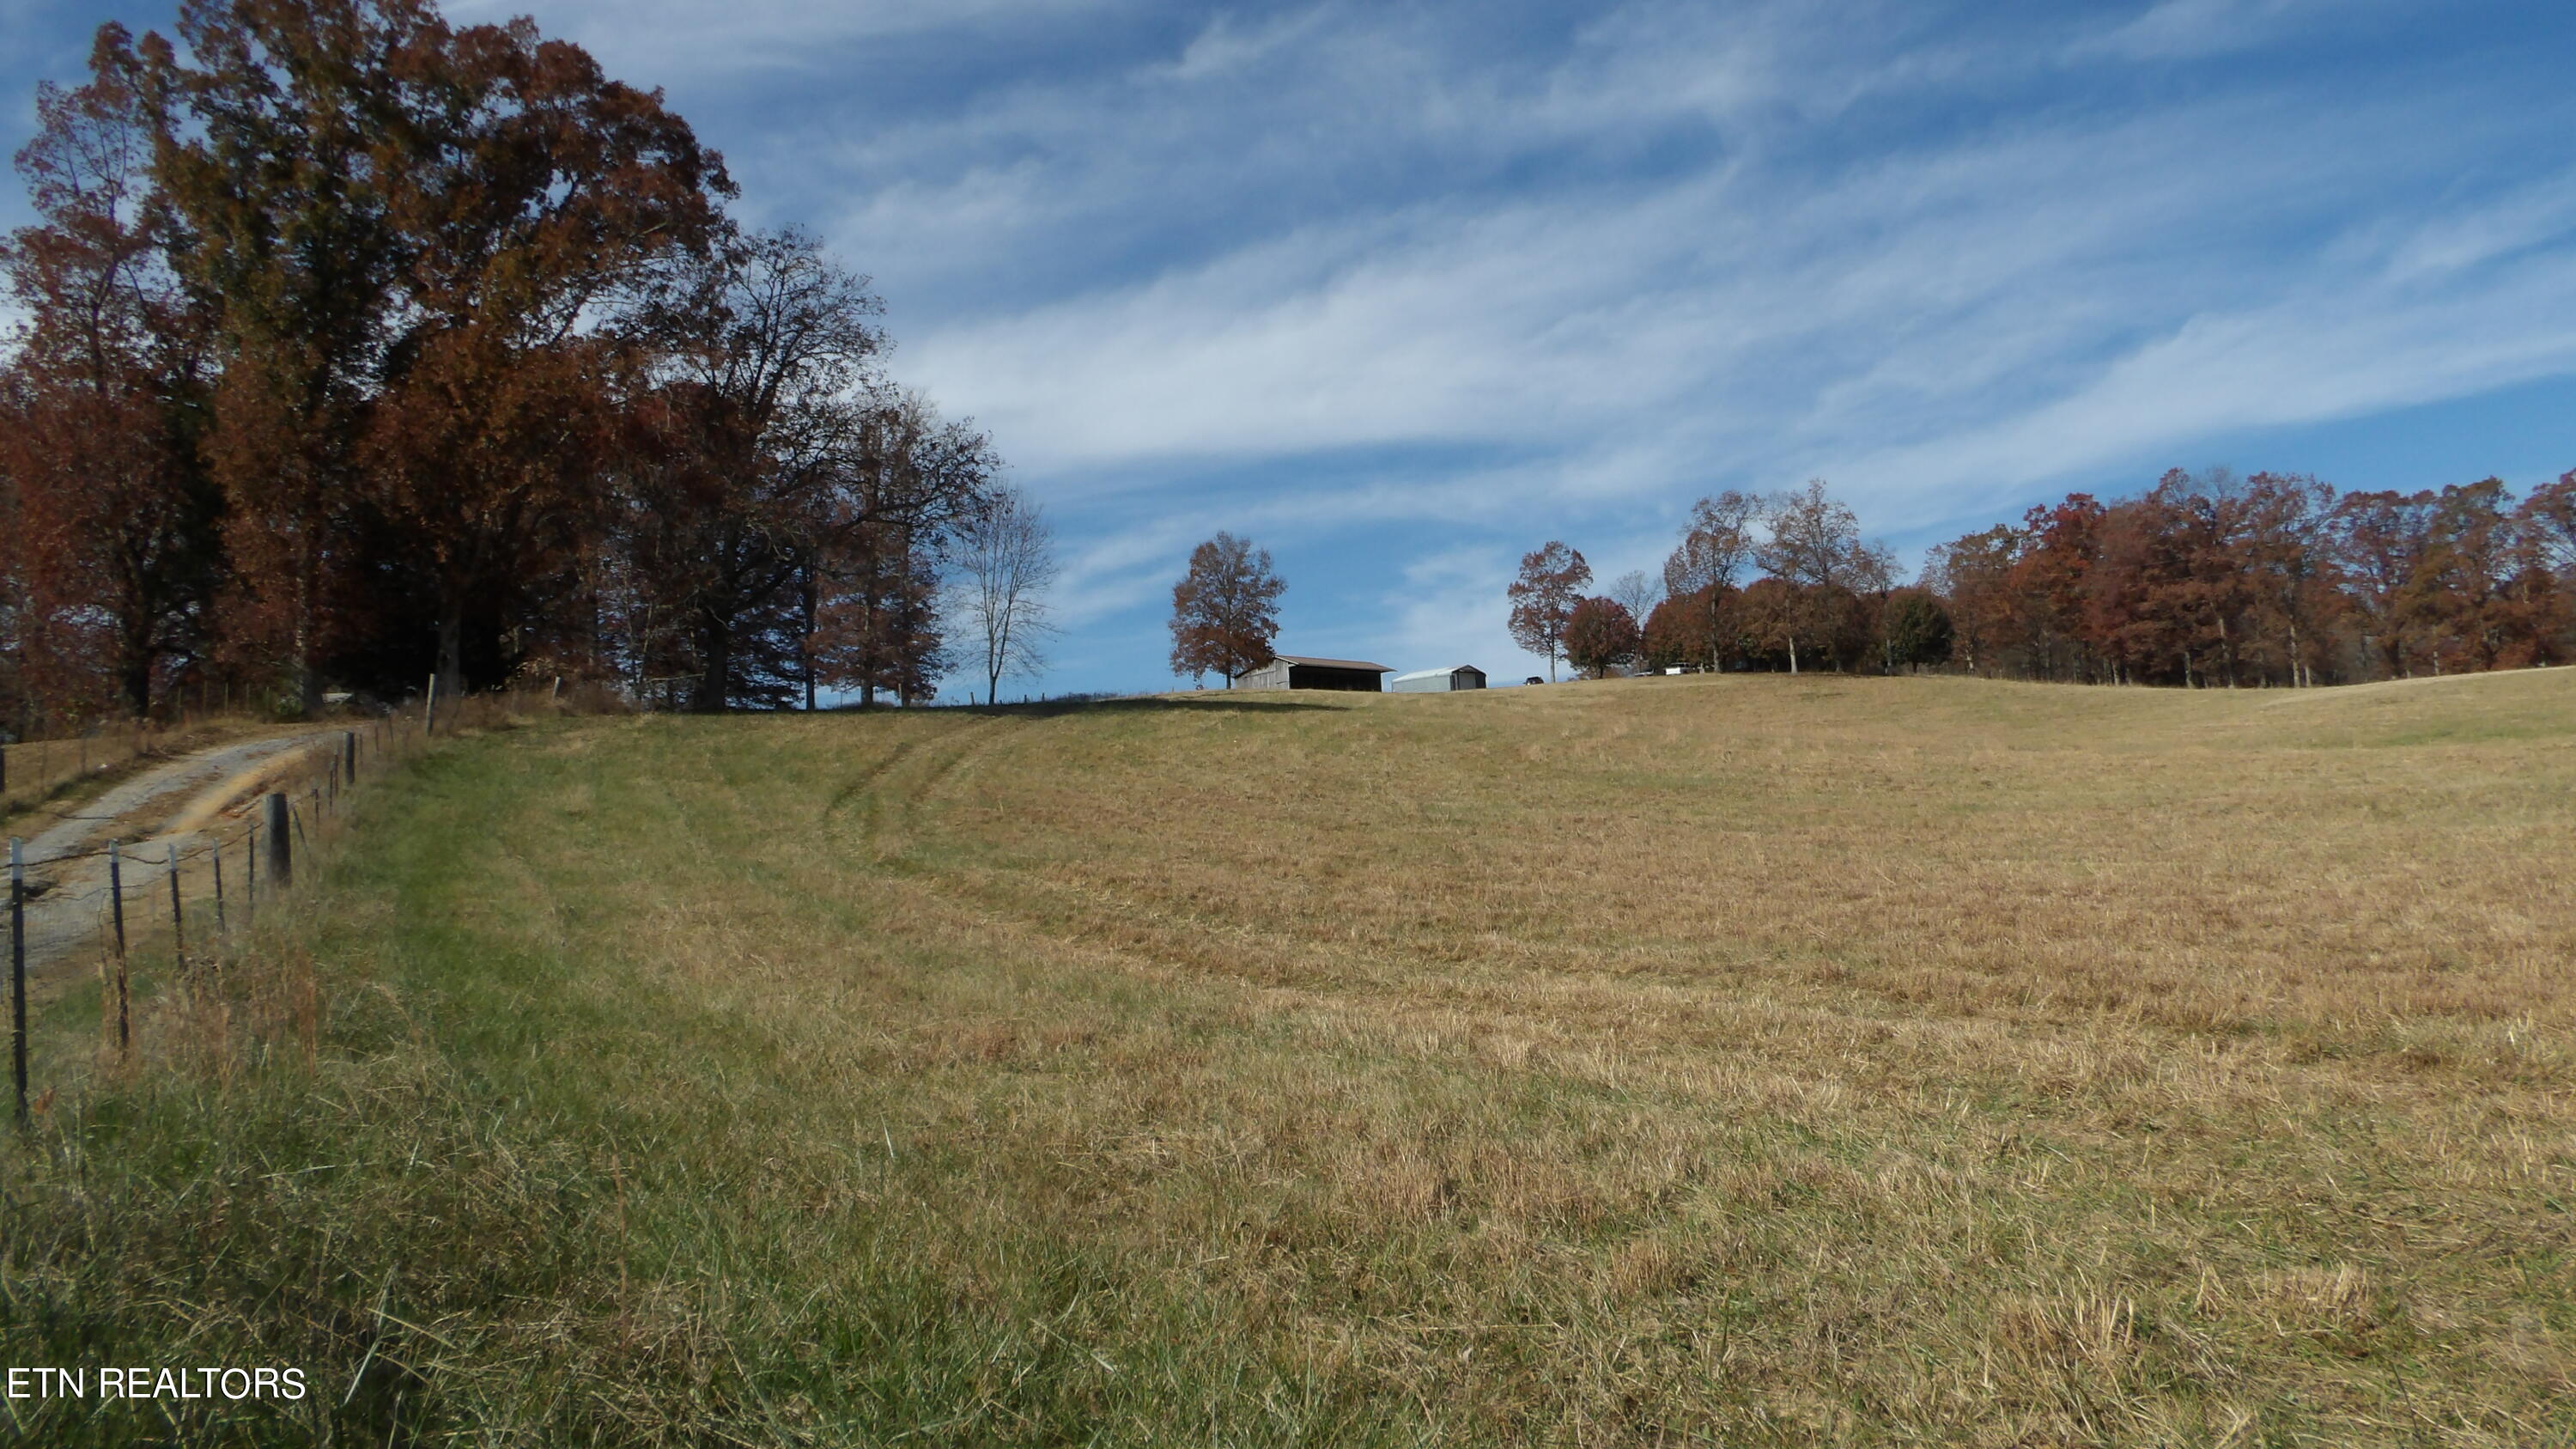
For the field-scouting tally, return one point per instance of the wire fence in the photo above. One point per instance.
(32, 770)
(187, 892)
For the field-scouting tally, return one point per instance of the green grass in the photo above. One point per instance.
(1758, 1061)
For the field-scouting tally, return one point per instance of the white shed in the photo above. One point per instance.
(1437, 681)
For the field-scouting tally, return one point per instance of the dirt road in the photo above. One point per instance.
(180, 805)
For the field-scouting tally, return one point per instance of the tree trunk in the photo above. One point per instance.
(308, 687)
(810, 599)
(451, 648)
(715, 661)
(1793, 654)
(136, 679)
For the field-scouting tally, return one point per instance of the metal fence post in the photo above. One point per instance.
(281, 856)
(178, 929)
(116, 892)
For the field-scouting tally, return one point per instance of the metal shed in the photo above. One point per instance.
(1437, 681)
(1298, 671)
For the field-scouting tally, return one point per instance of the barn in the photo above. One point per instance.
(1437, 681)
(1296, 671)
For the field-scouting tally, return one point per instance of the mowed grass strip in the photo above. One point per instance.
(1735, 1059)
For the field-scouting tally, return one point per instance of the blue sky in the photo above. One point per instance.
(1401, 290)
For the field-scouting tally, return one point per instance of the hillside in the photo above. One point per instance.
(1767, 1059)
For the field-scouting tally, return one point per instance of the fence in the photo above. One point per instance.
(228, 869)
(32, 770)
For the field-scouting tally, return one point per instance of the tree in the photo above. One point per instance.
(101, 412)
(356, 343)
(1815, 550)
(1772, 616)
(1552, 578)
(877, 617)
(1225, 610)
(770, 437)
(2459, 594)
(1637, 592)
(1973, 575)
(1006, 553)
(2547, 519)
(1683, 629)
(2281, 548)
(1815, 542)
(1600, 635)
(1914, 630)
(271, 144)
(526, 192)
(1716, 547)
(2379, 541)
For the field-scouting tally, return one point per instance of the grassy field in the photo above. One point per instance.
(1739, 1060)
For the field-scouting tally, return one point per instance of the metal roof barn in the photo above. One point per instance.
(1437, 681)
(1298, 671)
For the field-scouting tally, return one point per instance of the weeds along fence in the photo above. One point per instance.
(188, 892)
(32, 770)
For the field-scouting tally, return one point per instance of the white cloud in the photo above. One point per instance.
(659, 42)
(2186, 29)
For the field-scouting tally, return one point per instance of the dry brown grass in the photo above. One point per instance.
(1748, 1059)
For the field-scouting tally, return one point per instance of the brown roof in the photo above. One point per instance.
(1333, 663)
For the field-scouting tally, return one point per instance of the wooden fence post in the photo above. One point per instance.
(215, 853)
(281, 858)
(429, 713)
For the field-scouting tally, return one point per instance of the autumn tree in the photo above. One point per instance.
(1814, 548)
(1225, 610)
(2379, 540)
(114, 524)
(276, 127)
(1772, 618)
(1972, 575)
(1715, 550)
(526, 193)
(1682, 630)
(360, 342)
(2547, 520)
(878, 620)
(2458, 596)
(2280, 546)
(1552, 579)
(768, 436)
(1600, 635)
(1914, 630)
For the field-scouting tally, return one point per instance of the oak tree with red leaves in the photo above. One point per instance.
(1225, 610)
(1551, 580)
(1600, 635)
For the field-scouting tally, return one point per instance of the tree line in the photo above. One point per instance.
(359, 346)
(2205, 579)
